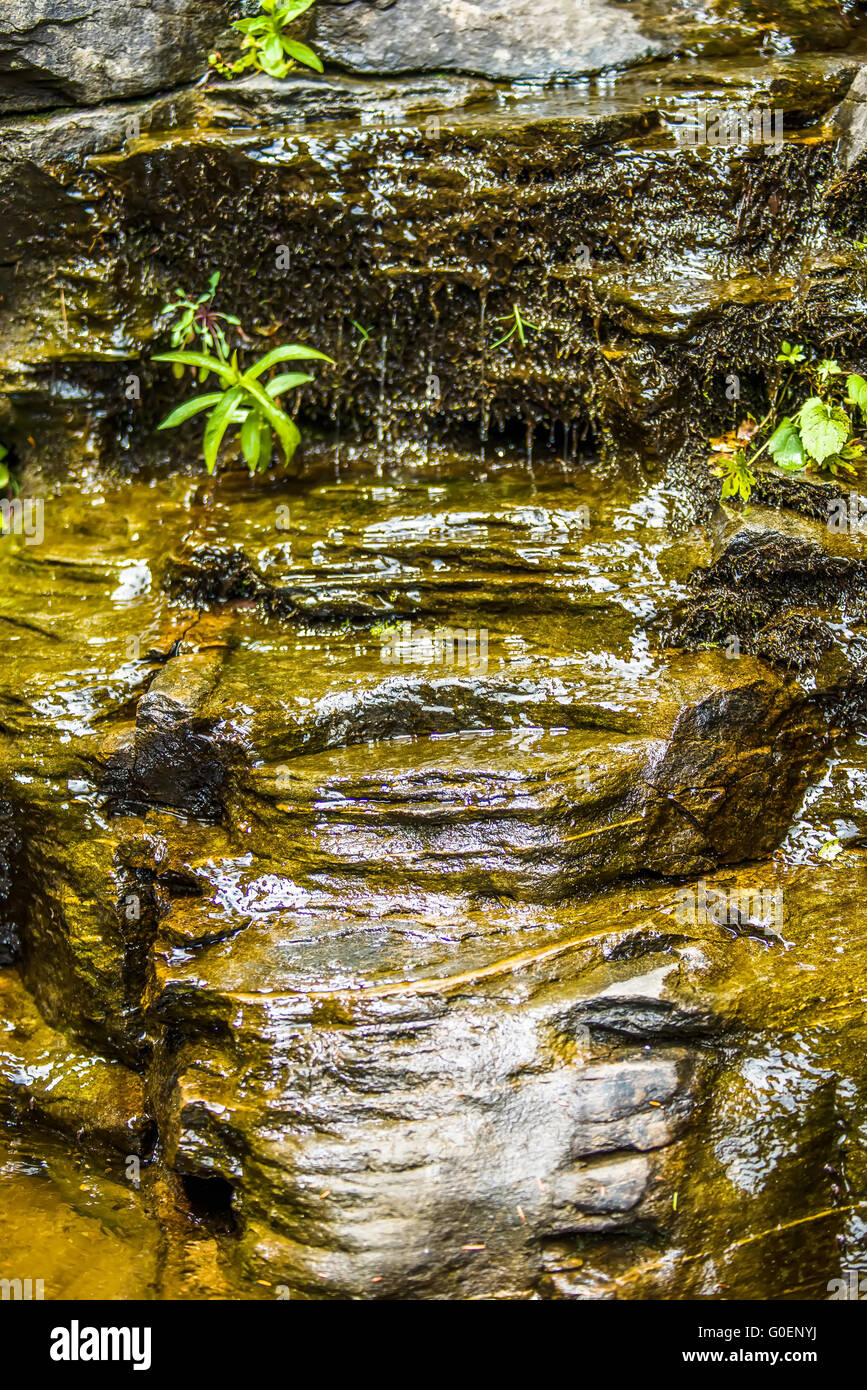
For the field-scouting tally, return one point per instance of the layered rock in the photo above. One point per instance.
(47, 1083)
(776, 587)
(358, 843)
(438, 210)
(337, 890)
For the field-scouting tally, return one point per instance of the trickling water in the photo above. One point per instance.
(371, 859)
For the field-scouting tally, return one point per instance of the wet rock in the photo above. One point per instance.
(812, 495)
(390, 1211)
(775, 585)
(552, 39)
(77, 52)
(394, 1046)
(45, 1083)
(486, 37)
(87, 929)
(470, 189)
(165, 760)
(850, 119)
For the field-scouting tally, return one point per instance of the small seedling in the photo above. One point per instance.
(196, 318)
(366, 334)
(266, 47)
(518, 323)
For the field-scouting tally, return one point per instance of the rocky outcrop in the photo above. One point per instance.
(775, 586)
(368, 919)
(45, 1083)
(81, 52)
(57, 53)
(442, 208)
(361, 849)
(485, 37)
(851, 121)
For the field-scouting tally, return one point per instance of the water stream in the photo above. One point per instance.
(436, 869)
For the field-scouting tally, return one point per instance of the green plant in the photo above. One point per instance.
(819, 436)
(365, 336)
(738, 479)
(5, 475)
(196, 318)
(246, 401)
(518, 326)
(265, 46)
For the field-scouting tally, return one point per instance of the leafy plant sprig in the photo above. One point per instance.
(196, 318)
(365, 335)
(519, 324)
(245, 401)
(5, 475)
(819, 436)
(266, 47)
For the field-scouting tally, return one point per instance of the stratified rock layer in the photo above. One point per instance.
(351, 812)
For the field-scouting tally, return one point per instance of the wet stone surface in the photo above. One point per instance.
(437, 872)
(391, 927)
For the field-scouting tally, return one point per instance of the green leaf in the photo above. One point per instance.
(738, 478)
(302, 54)
(292, 10)
(250, 433)
(275, 67)
(272, 50)
(857, 389)
(218, 423)
(837, 464)
(266, 444)
(199, 359)
(294, 352)
(825, 428)
(284, 428)
(826, 368)
(831, 848)
(853, 450)
(791, 352)
(787, 446)
(287, 381)
(189, 409)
